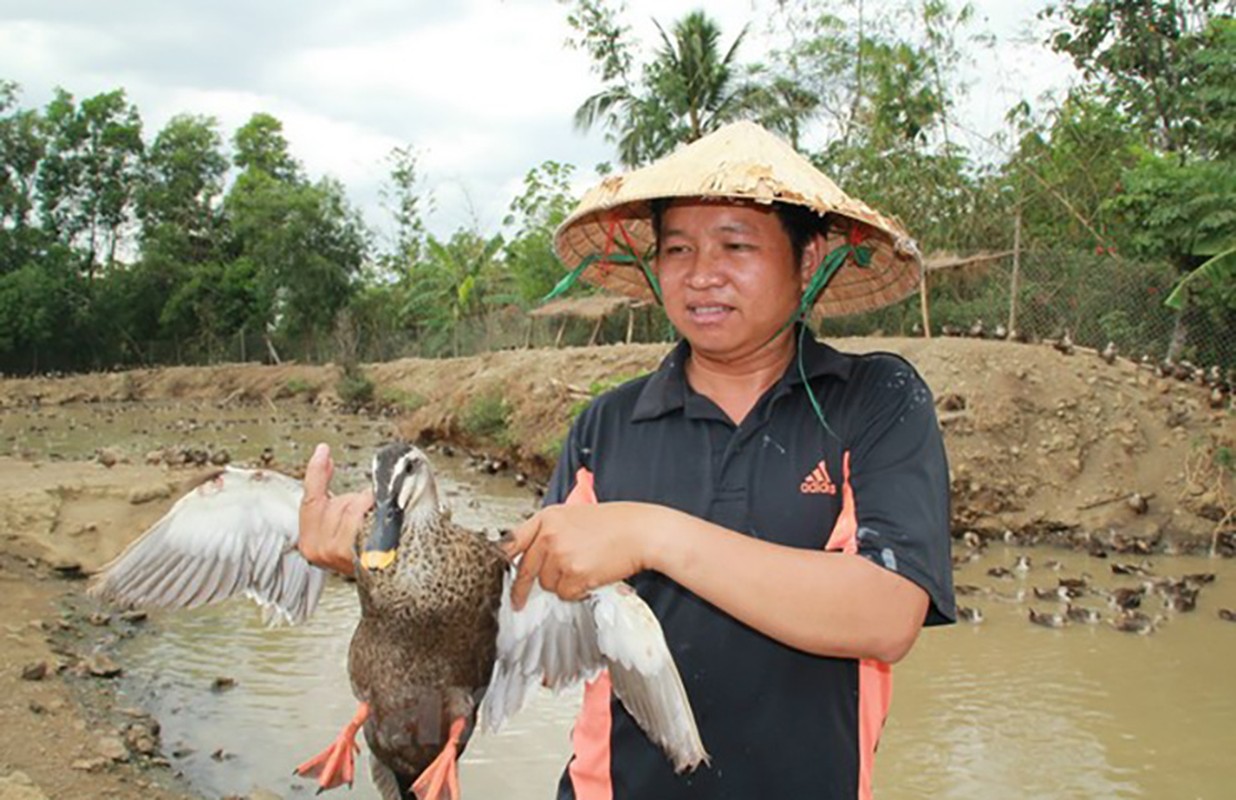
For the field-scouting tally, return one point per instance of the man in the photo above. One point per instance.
(782, 507)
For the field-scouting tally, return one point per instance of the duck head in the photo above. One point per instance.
(405, 496)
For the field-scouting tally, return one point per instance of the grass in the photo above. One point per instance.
(401, 399)
(296, 386)
(488, 416)
(596, 388)
(355, 389)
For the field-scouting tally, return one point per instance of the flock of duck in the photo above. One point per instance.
(1220, 383)
(1139, 608)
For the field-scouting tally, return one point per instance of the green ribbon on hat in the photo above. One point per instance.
(572, 277)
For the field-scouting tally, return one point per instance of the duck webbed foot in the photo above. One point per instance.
(443, 771)
(335, 765)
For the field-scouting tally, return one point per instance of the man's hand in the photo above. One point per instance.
(329, 525)
(573, 549)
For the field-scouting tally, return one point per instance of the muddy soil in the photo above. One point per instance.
(1044, 446)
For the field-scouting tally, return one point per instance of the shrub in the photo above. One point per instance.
(487, 417)
(355, 389)
(401, 400)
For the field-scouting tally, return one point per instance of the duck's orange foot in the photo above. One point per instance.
(443, 771)
(335, 765)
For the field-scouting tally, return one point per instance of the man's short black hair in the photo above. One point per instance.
(799, 223)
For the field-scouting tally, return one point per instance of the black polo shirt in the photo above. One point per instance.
(777, 722)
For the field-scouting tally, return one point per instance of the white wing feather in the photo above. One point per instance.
(558, 643)
(234, 534)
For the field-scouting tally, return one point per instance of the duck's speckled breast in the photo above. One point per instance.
(424, 649)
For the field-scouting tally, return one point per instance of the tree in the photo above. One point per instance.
(1145, 55)
(183, 184)
(90, 172)
(260, 147)
(407, 204)
(1168, 66)
(453, 283)
(22, 146)
(690, 88)
(300, 245)
(535, 214)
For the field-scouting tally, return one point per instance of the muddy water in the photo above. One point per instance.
(1000, 709)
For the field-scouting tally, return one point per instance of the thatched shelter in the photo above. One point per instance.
(594, 308)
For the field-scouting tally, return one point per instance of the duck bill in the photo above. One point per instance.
(378, 551)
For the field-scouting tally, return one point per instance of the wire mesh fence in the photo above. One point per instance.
(1094, 299)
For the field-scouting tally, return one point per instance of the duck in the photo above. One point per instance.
(1056, 593)
(1086, 616)
(1048, 619)
(968, 614)
(1143, 569)
(1136, 622)
(1073, 587)
(438, 643)
(1125, 598)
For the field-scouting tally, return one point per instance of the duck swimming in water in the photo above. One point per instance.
(437, 641)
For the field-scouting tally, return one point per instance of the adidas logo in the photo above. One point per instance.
(818, 481)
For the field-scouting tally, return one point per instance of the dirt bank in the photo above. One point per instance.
(1040, 443)
(1035, 437)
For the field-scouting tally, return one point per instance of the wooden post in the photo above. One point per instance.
(630, 322)
(923, 302)
(596, 330)
(1015, 283)
(561, 330)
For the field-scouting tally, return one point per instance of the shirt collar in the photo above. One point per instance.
(667, 389)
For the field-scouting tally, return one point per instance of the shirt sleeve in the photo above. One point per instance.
(899, 474)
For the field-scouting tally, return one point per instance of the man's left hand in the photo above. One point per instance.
(573, 549)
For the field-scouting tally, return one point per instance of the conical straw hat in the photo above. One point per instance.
(745, 162)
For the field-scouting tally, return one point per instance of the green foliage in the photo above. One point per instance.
(355, 388)
(487, 417)
(454, 282)
(295, 386)
(529, 255)
(597, 388)
(691, 87)
(88, 175)
(1147, 55)
(403, 198)
(400, 399)
(261, 148)
(201, 244)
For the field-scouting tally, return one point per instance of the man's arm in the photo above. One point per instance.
(825, 603)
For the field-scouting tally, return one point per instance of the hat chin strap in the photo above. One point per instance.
(819, 281)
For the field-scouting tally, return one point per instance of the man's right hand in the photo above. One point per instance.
(329, 525)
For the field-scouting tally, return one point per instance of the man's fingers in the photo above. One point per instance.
(529, 570)
(517, 540)
(317, 474)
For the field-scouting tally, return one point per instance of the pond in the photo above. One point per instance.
(1004, 708)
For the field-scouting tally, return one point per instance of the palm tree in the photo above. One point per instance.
(690, 88)
(694, 78)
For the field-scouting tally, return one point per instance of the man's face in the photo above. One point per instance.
(728, 275)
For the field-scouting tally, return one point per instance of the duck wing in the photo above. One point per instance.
(558, 643)
(233, 534)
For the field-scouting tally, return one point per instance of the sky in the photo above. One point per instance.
(484, 90)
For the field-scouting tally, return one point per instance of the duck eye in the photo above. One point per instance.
(409, 466)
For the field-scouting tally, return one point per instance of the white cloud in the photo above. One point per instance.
(484, 89)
